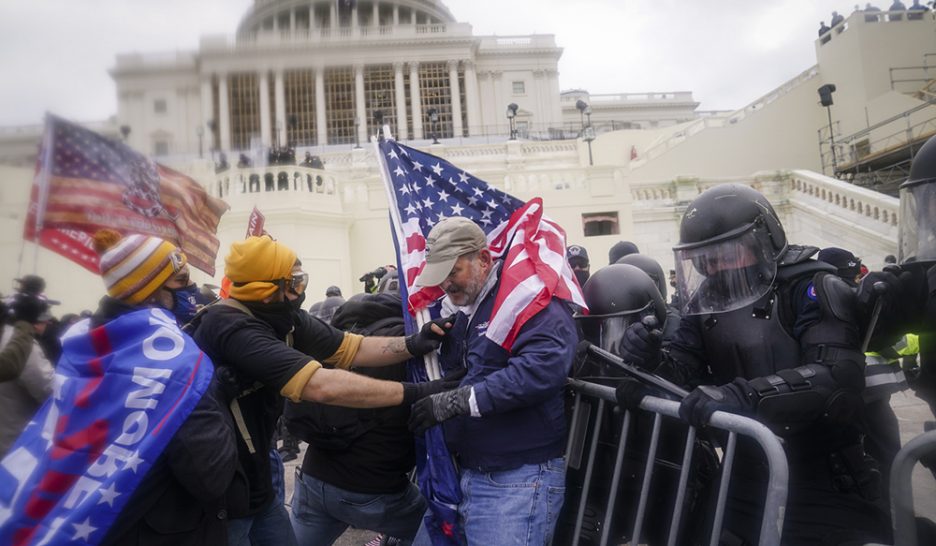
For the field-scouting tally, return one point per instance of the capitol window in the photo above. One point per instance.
(519, 88)
(159, 106)
(600, 223)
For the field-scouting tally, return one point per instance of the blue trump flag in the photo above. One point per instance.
(121, 391)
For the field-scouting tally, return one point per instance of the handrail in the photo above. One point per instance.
(901, 486)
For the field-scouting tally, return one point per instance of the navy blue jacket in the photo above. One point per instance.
(519, 394)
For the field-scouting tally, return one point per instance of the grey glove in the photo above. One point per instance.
(434, 409)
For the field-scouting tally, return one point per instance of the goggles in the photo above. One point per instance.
(297, 283)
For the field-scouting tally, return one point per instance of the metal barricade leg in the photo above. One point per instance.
(676, 520)
(648, 475)
(589, 468)
(615, 479)
(901, 487)
(727, 463)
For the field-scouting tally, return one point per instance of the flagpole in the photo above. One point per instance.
(48, 142)
(422, 316)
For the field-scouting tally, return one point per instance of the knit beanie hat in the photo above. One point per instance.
(254, 264)
(135, 266)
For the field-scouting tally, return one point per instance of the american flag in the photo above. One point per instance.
(85, 182)
(423, 189)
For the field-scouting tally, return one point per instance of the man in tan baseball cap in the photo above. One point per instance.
(457, 260)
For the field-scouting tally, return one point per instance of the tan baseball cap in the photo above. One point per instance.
(449, 239)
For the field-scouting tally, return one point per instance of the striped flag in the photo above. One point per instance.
(85, 182)
(424, 189)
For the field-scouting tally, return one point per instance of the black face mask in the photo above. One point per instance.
(279, 315)
(296, 304)
(581, 275)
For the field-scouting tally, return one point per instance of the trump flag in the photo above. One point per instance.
(85, 182)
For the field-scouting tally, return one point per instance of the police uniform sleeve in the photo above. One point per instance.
(830, 376)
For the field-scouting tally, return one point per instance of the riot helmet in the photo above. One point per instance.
(649, 266)
(617, 296)
(917, 233)
(730, 241)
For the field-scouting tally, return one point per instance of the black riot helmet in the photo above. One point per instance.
(917, 233)
(730, 241)
(649, 266)
(617, 296)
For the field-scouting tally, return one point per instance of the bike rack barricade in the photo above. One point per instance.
(777, 485)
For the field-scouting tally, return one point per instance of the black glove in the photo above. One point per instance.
(413, 392)
(431, 411)
(630, 392)
(28, 307)
(641, 343)
(697, 408)
(426, 339)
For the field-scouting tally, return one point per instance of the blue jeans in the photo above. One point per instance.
(267, 528)
(321, 512)
(517, 507)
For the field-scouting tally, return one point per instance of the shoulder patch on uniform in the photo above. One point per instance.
(811, 292)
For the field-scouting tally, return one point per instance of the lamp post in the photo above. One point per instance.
(434, 124)
(825, 99)
(378, 122)
(201, 133)
(588, 133)
(511, 115)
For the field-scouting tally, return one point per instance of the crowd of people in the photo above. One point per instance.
(895, 12)
(806, 340)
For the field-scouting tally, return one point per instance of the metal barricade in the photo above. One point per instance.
(901, 486)
(776, 493)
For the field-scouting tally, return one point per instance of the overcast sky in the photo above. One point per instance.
(55, 54)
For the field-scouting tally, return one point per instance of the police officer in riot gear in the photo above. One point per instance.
(653, 268)
(770, 333)
(618, 296)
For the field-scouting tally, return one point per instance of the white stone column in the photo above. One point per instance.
(375, 20)
(471, 99)
(265, 132)
(416, 107)
(354, 16)
(280, 90)
(292, 21)
(224, 124)
(311, 18)
(207, 108)
(541, 109)
(500, 104)
(320, 120)
(396, 14)
(333, 16)
(400, 97)
(455, 89)
(360, 110)
(413, 17)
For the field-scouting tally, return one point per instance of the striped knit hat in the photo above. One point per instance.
(135, 266)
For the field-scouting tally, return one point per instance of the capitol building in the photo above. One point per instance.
(320, 77)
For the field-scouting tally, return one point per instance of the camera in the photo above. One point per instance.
(375, 274)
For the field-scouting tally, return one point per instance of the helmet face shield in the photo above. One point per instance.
(612, 331)
(726, 274)
(917, 235)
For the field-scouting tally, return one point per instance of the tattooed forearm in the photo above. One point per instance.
(393, 345)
